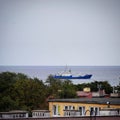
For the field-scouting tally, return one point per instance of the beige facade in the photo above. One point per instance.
(80, 107)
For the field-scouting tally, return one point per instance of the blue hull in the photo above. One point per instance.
(73, 77)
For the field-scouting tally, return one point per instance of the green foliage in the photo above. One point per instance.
(6, 103)
(6, 81)
(118, 88)
(54, 85)
(17, 91)
(60, 89)
(68, 90)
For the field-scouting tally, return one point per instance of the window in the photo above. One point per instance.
(69, 107)
(81, 110)
(94, 110)
(118, 111)
(56, 110)
(66, 108)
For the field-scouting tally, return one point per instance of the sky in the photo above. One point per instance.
(60, 32)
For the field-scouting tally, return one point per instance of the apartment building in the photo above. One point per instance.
(84, 107)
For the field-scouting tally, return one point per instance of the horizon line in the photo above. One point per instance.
(61, 65)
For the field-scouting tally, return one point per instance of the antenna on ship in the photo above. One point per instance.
(66, 68)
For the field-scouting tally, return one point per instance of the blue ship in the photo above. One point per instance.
(68, 75)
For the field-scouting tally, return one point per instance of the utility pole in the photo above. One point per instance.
(99, 88)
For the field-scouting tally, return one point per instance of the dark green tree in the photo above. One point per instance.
(7, 79)
(17, 91)
(68, 90)
(29, 93)
(54, 86)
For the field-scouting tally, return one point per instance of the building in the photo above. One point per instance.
(14, 114)
(83, 94)
(40, 113)
(115, 95)
(86, 93)
(83, 106)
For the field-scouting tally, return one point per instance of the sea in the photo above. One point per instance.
(99, 73)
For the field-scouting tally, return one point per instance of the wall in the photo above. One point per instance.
(87, 106)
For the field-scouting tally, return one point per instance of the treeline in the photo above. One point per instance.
(20, 92)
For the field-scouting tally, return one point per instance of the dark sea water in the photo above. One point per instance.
(100, 73)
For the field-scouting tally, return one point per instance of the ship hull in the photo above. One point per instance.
(73, 77)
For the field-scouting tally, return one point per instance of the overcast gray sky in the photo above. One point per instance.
(60, 32)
